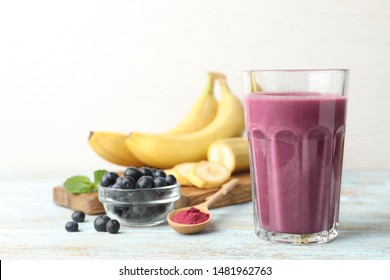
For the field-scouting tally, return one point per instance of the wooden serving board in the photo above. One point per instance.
(90, 204)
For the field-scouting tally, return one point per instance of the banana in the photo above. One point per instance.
(182, 170)
(112, 147)
(202, 112)
(166, 151)
(233, 153)
(255, 87)
(206, 174)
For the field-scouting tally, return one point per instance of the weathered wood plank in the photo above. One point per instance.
(32, 227)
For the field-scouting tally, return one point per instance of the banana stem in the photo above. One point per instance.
(255, 87)
(218, 76)
(209, 88)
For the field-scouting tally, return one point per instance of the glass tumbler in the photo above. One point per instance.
(295, 121)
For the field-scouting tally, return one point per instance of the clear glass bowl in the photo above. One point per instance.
(139, 207)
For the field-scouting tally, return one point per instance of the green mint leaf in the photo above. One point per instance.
(78, 184)
(98, 175)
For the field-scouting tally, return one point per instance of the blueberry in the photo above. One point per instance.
(145, 182)
(133, 173)
(171, 180)
(78, 216)
(134, 196)
(161, 208)
(159, 173)
(151, 196)
(112, 226)
(160, 182)
(118, 183)
(121, 197)
(128, 183)
(157, 210)
(117, 210)
(72, 226)
(117, 186)
(153, 169)
(146, 171)
(140, 209)
(114, 176)
(100, 223)
(128, 214)
(108, 179)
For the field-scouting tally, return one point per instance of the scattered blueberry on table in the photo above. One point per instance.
(112, 226)
(100, 223)
(71, 226)
(78, 216)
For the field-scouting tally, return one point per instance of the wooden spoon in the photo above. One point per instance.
(204, 207)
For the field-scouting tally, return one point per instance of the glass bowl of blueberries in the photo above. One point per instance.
(141, 197)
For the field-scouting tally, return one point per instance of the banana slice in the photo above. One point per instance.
(181, 172)
(206, 174)
(233, 153)
(170, 172)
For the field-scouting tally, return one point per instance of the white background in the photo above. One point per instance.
(281, 269)
(69, 67)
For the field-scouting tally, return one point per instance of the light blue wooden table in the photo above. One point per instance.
(32, 227)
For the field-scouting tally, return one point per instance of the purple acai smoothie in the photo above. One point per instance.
(296, 142)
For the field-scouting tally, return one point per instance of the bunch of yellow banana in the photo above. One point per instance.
(166, 151)
(112, 146)
(188, 141)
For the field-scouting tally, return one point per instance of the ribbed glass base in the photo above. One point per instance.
(298, 239)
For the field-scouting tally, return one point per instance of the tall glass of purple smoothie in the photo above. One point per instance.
(295, 121)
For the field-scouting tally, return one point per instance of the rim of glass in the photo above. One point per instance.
(346, 70)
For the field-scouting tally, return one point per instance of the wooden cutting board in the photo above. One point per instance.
(90, 204)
